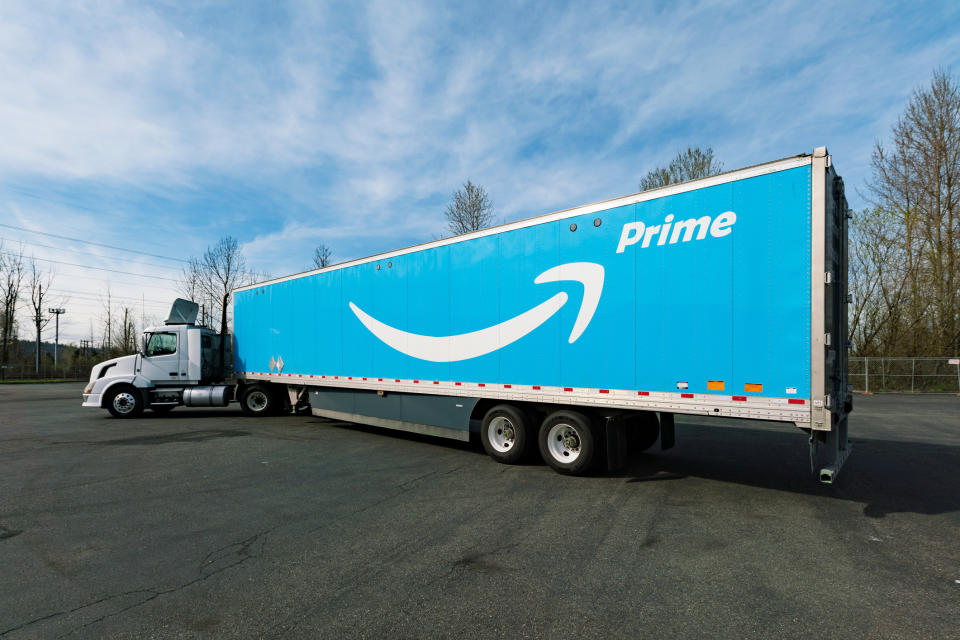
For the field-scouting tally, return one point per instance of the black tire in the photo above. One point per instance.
(506, 434)
(643, 429)
(124, 401)
(569, 442)
(163, 408)
(258, 400)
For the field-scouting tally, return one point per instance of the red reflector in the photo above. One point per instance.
(740, 398)
(568, 388)
(379, 379)
(323, 376)
(604, 390)
(349, 377)
(416, 382)
(686, 395)
(457, 383)
(436, 382)
(364, 378)
(396, 380)
(508, 386)
(482, 384)
(536, 387)
(643, 393)
(795, 401)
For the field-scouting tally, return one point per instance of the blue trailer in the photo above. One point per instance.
(579, 331)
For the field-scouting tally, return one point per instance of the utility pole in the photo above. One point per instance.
(38, 319)
(56, 343)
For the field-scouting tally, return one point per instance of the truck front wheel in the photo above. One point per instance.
(124, 401)
(505, 434)
(569, 442)
(256, 400)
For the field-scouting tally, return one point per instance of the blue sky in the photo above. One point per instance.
(162, 126)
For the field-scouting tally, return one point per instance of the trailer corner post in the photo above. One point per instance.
(829, 446)
(820, 413)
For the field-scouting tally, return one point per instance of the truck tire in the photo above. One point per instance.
(258, 400)
(124, 401)
(569, 442)
(643, 429)
(506, 434)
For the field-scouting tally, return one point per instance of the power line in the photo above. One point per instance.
(112, 296)
(71, 275)
(98, 244)
(89, 253)
(81, 299)
(84, 266)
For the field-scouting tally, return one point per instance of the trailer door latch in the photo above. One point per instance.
(827, 277)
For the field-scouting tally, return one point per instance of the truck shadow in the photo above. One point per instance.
(183, 436)
(886, 476)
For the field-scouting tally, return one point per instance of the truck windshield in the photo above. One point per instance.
(161, 344)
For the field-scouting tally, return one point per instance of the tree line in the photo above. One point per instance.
(905, 247)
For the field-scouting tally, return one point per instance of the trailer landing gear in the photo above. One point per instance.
(828, 451)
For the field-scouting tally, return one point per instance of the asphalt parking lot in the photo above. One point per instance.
(205, 523)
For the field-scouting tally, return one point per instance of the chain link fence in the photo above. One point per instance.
(28, 372)
(910, 375)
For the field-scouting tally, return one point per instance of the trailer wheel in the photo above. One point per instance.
(124, 401)
(568, 442)
(256, 400)
(643, 429)
(505, 433)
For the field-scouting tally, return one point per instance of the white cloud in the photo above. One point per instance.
(353, 125)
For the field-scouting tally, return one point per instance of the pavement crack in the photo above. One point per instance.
(215, 562)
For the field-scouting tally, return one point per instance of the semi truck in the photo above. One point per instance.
(578, 334)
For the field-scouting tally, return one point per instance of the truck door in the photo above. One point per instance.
(161, 359)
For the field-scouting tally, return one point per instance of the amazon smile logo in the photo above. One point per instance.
(478, 343)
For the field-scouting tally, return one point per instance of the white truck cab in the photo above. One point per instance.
(178, 363)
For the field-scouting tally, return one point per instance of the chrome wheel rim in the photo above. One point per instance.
(257, 401)
(502, 434)
(124, 402)
(563, 442)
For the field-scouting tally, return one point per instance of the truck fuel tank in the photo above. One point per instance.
(214, 396)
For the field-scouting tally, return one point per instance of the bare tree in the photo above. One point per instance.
(915, 189)
(213, 277)
(106, 302)
(687, 165)
(11, 280)
(40, 284)
(322, 256)
(470, 209)
(126, 331)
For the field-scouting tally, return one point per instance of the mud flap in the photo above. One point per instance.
(616, 441)
(668, 436)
